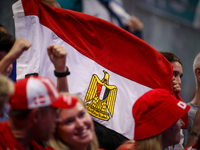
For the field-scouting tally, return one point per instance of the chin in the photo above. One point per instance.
(87, 140)
(175, 141)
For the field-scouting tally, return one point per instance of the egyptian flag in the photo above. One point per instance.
(110, 68)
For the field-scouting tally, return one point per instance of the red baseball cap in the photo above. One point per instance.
(65, 101)
(155, 111)
(35, 92)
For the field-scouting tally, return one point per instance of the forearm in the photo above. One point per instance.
(191, 140)
(5, 62)
(18, 48)
(57, 55)
(62, 84)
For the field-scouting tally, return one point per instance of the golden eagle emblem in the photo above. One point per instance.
(100, 97)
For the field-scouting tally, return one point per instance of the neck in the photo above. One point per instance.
(165, 144)
(21, 131)
(164, 147)
(196, 99)
(79, 147)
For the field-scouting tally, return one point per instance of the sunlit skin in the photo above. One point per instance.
(177, 75)
(171, 136)
(2, 29)
(52, 3)
(76, 127)
(8, 70)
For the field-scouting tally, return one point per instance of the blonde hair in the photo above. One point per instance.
(152, 143)
(6, 87)
(57, 143)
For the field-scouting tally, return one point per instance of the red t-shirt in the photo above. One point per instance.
(9, 142)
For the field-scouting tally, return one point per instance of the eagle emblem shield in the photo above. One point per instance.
(100, 97)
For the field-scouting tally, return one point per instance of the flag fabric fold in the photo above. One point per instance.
(100, 56)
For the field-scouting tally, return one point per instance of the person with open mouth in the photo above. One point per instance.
(75, 128)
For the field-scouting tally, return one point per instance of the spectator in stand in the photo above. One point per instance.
(177, 70)
(155, 130)
(75, 129)
(111, 11)
(10, 50)
(176, 83)
(195, 103)
(32, 115)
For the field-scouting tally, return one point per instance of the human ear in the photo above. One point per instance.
(197, 73)
(35, 115)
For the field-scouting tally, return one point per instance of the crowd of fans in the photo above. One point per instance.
(36, 115)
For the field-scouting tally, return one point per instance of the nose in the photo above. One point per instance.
(181, 122)
(179, 80)
(79, 123)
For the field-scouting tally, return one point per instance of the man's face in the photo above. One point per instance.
(177, 71)
(8, 70)
(46, 124)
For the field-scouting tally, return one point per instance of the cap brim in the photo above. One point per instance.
(65, 101)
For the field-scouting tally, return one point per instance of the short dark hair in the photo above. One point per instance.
(1, 25)
(171, 57)
(6, 41)
(19, 114)
(24, 113)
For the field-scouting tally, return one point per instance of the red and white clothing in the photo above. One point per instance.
(9, 142)
(193, 147)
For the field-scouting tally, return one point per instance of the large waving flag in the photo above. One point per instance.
(110, 68)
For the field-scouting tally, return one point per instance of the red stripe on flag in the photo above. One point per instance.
(99, 86)
(106, 44)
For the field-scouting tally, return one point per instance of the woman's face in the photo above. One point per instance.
(177, 71)
(76, 127)
(171, 136)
